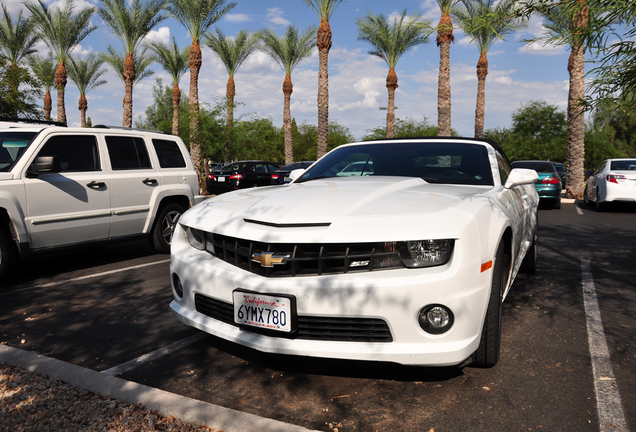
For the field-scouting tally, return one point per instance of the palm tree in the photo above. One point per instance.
(571, 20)
(499, 24)
(16, 38)
(444, 38)
(131, 21)
(175, 62)
(117, 60)
(197, 16)
(288, 51)
(390, 41)
(44, 70)
(324, 9)
(86, 75)
(232, 52)
(62, 31)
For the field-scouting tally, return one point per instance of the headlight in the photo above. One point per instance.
(426, 253)
(195, 237)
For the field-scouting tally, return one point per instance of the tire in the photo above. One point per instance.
(5, 254)
(529, 263)
(600, 206)
(487, 354)
(586, 199)
(557, 204)
(164, 227)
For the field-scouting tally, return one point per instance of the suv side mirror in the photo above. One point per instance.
(44, 165)
(521, 176)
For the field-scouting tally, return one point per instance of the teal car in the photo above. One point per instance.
(549, 184)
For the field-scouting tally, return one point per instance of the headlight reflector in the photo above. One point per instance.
(426, 253)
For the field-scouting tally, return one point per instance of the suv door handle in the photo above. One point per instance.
(95, 184)
(149, 181)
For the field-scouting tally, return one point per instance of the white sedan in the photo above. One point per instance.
(410, 264)
(614, 180)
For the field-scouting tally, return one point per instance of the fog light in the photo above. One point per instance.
(435, 319)
(176, 283)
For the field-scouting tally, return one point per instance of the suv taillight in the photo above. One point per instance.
(614, 178)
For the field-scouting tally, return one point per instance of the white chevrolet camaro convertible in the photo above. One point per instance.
(409, 261)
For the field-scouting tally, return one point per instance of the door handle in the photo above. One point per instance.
(95, 184)
(149, 181)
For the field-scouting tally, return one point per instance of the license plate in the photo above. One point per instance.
(220, 179)
(263, 311)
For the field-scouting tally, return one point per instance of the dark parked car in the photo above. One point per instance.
(281, 176)
(562, 173)
(240, 175)
(549, 184)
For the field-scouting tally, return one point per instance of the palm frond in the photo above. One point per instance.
(232, 52)
(171, 58)
(132, 20)
(16, 38)
(289, 50)
(323, 8)
(86, 73)
(116, 60)
(197, 16)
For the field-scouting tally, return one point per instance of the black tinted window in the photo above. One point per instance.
(127, 153)
(77, 153)
(169, 154)
(539, 166)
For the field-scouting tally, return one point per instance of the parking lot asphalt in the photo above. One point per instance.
(109, 307)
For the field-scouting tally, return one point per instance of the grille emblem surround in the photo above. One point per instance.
(269, 259)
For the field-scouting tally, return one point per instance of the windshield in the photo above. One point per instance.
(451, 163)
(623, 165)
(12, 145)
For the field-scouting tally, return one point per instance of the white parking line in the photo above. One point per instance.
(579, 211)
(94, 275)
(608, 400)
(132, 364)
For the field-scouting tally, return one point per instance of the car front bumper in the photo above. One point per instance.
(396, 296)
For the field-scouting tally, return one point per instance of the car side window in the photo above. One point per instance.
(259, 168)
(77, 153)
(272, 168)
(504, 168)
(127, 153)
(600, 167)
(169, 154)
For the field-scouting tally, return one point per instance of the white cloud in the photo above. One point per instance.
(237, 18)
(161, 36)
(275, 16)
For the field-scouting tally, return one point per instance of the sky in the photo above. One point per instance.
(518, 72)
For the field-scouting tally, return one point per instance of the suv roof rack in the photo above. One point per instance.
(31, 121)
(101, 126)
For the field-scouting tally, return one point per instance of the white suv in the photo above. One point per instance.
(64, 186)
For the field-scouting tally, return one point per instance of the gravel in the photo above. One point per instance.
(31, 402)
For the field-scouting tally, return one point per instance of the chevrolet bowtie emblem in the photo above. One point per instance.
(269, 259)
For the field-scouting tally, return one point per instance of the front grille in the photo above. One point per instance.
(309, 327)
(306, 259)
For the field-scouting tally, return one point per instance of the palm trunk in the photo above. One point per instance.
(129, 78)
(230, 93)
(176, 99)
(288, 88)
(48, 105)
(83, 106)
(576, 120)
(323, 42)
(195, 148)
(60, 84)
(482, 71)
(444, 39)
(391, 85)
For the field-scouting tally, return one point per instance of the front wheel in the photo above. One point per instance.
(164, 227)
(487, 354)
(529, 263)
(5, 253)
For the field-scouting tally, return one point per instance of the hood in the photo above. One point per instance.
(345, 202)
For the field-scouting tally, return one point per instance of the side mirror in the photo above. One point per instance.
(296, 173)
(45, 165)
(521, 176)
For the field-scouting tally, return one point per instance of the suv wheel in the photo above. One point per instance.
(5, 253)
(164, 227)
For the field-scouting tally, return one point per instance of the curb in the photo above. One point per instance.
(166, 403)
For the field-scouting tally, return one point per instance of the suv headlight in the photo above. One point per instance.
(426, 253)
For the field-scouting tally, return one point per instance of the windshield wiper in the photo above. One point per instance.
(314, 178)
